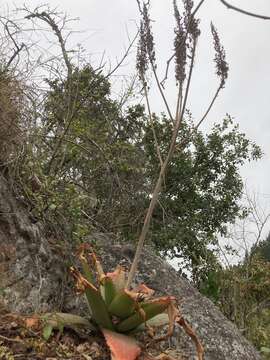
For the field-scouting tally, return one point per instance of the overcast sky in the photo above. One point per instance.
(247, 44)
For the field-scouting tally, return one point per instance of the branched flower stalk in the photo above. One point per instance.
(186, 37)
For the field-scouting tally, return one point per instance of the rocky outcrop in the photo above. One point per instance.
(31, 275)
(33, 278)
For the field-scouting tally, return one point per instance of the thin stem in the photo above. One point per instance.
(117, 66)
(158, 185)
(188, 84)
(209, 108)
(179, 100)
(161, 92)
(152, 125)
(182, 145)
(242, 11)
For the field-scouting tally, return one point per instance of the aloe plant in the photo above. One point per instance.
(119, 312)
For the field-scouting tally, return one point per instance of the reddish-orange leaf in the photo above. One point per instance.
(122, 347)
(143, 289)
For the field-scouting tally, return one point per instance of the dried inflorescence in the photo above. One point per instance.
(179, 46)
(186, 34)
(146, 48)
(191, 23)
(222, 67)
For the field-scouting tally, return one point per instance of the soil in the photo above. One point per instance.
(21, 337)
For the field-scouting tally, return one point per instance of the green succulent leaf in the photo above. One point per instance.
(123, 305)
(157, 321)
(107, 290)
(98, 308)
(87, 272)
(151, 309)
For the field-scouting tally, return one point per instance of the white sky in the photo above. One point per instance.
(247, 44)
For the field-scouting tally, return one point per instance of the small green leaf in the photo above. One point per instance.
(265, 350)
(61, 327)
(47, 331)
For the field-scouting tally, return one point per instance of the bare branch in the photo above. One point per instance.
(17, 47)
(44, 16)
(242, 11)
(123, 57)
(208, 109)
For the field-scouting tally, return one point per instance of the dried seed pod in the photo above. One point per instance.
(222, 67)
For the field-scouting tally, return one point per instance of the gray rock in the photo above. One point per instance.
(34, 278)
(31, 275)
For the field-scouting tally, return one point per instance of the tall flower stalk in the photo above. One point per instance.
(186, 37)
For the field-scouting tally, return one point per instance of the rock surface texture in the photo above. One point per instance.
(33, 278)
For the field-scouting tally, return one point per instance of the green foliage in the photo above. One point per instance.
(210, 285)
(90, 165)
(86, 156)
(242, 292)
(47, 331)
(201, 190)
(263, 249)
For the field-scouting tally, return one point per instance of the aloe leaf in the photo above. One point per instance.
(98, 266)
(143, 289)
(86, 268)
(118, 277)
(189, 331)
(97, 305)
(108, 290)
(58, 320)
(123, 305)
(86, 271)
(157, 321)
(122, 347)
(151, 309)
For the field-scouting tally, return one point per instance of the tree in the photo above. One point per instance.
(90, 163)
(103, 171)
(201, 191)
(98, 161)
(262, 249)
(241, 290)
